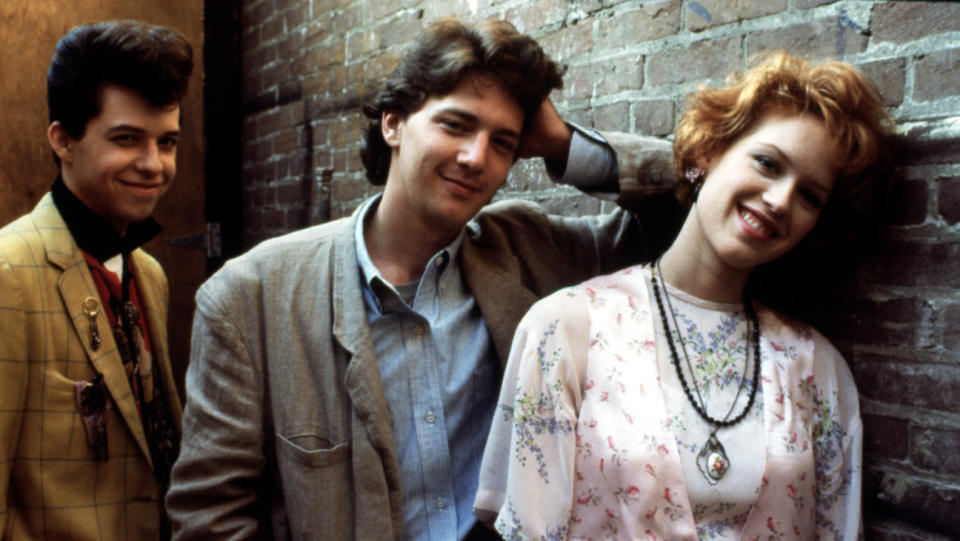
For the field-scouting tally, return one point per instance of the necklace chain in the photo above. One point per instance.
(698, 404)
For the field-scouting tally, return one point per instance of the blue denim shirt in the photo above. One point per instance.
(441, 376)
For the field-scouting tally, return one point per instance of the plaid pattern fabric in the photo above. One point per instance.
(52, 486)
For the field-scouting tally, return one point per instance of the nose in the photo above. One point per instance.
(149, 162)
(473, 152)
(778, 195)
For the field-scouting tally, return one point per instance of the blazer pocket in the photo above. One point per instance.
(311, 450)
(315, 480)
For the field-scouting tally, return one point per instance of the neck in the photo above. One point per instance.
(399, 246)
(692, 265)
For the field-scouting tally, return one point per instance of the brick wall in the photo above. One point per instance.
(306, 64)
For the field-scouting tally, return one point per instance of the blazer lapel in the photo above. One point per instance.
(491, 276)
(151, 302)
(76, 285)
(363, 381)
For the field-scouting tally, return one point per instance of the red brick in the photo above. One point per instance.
(612, 117)
(578, 81)
(885, 437)
(295, 17)
(274, 219)
(909, 202)
(879, 528)
(254, 13)
(815, 40)
(291, 45)
(271, 28)
(347, 190)
(914, 263)
(889, 76)
(571, 205)
(654, 20)
(250, 39)
(362, 43)
(951, 328)
(904, 496)
(937, 75)
(935, 387)
(528, 176)
(400, 31)
(290, 193)
(569, 41)
(532, 15)
(709, 13)
(653, 117)
(262, 56)
(902, 22)
(805, 4)
(618, 74)
(704, 59)
(927, 143)
(935, 449)
(288, 140)
(275, 75)
(948, 203)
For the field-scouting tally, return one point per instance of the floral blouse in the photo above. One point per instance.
(585, 446)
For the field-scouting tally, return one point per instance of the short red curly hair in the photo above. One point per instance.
(848, 103)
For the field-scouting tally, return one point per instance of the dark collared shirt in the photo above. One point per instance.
(92, 233)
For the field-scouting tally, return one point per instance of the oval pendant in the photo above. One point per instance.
(712, 460)
(716, 466)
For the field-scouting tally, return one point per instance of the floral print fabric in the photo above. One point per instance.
(582, 445)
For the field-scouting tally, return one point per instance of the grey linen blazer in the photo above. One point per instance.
(287, 433)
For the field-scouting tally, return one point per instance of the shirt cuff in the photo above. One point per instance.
(591, 164)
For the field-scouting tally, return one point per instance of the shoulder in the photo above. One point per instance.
(576, 306)
(287, 251)
(799, 341)
(507, 214)
(286, 259)
(20, 241)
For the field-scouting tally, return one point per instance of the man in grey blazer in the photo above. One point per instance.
(343, 377)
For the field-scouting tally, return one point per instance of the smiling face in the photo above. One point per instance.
(765, 193)
(449, 157)
(125, 159)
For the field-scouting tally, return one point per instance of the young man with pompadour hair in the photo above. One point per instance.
(89, 413)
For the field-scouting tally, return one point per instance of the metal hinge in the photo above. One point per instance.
(209, 241)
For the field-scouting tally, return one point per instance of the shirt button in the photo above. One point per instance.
(441, 503)
(430, 417)
(439, 261)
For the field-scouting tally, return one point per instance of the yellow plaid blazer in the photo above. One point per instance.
(51, 484)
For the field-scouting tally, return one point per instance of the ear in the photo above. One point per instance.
(60, 141)
(391, 125)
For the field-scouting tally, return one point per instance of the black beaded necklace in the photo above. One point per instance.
(712, 460)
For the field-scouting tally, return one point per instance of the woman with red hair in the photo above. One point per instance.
(665, 401)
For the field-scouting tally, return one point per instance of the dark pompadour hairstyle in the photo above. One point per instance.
(440, 58)
(154, 61)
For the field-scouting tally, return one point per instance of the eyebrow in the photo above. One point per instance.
(131, 128)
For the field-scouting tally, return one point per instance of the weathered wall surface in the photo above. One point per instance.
(307, 64)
